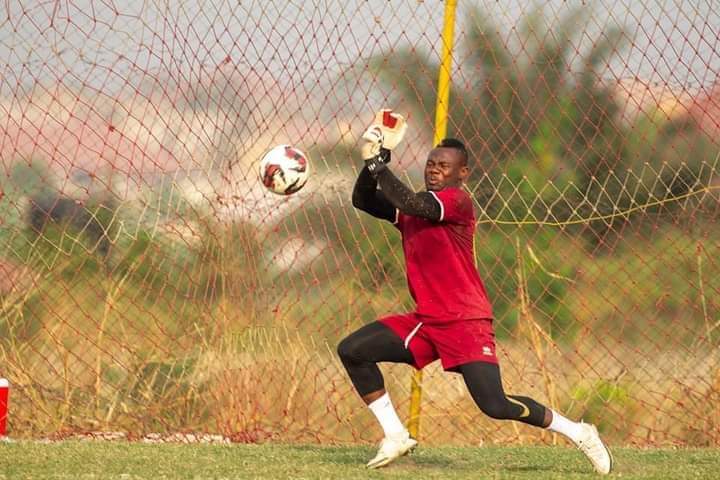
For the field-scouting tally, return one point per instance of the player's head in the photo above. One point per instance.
(446, 165)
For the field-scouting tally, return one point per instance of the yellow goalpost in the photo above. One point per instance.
(441, 114)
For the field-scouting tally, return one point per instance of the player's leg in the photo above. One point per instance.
(485, 386)
(360, 353)
(362, 350)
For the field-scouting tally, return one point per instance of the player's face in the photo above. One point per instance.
(444, 168)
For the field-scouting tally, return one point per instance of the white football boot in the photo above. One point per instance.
(392, 448)
(594, 449)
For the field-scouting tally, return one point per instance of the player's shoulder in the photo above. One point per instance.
(455, 195)
(456, 204)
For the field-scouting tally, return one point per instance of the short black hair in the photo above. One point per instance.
(457, 145)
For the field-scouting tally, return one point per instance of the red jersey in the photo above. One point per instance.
(440, 261)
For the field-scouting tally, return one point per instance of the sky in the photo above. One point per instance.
(107, 43)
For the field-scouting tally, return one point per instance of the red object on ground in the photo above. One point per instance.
(4, 393)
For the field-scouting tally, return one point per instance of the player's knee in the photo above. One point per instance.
(346, 350)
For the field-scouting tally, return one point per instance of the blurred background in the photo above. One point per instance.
(149, 283)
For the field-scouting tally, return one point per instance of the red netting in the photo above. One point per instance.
(149, 283)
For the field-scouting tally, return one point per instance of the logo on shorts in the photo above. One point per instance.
(487, 351)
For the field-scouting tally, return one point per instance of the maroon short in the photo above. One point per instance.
(455, 342)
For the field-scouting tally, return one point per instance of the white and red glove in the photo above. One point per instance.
(385, 133)
(372, 142)
(393, 126)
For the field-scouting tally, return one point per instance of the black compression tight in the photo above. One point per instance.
(363, 349)
(484, 384)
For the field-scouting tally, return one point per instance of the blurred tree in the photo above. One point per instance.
(524, 116)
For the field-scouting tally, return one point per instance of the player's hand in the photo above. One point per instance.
(371, 149)
(371, 143)
(393, 126)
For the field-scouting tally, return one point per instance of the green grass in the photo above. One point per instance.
(123, 460)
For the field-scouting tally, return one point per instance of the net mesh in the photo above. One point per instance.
(149, 284)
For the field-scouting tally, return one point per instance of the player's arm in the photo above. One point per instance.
(420, 204)
(369, 199)
(378, 140)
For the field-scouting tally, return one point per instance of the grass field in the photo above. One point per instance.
(123, 460)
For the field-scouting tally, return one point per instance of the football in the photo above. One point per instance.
(284, 170)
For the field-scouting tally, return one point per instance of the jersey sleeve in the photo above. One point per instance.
(455, 206)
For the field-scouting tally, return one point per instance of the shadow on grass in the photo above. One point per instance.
(546, 468)
(423, 459)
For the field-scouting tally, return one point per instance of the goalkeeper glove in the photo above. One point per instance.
(393, 126)
(372, 150)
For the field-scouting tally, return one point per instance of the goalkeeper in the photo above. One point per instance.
(453, 317)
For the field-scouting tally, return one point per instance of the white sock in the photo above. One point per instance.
(387, 416)
(560, 424)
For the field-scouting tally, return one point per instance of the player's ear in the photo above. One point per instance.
(464, 173)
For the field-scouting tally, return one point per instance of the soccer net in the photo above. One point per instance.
(150, 285)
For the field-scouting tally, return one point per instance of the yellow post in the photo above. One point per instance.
(441, 114)
(443, 95)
